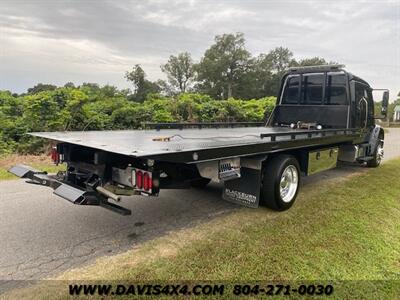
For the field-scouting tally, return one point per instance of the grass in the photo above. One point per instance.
(41, 162)
(345, 232)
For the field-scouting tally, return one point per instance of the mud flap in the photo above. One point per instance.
(246, 189)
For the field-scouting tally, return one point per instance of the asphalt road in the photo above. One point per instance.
(42, 235)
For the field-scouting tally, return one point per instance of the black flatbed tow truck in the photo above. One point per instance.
(323, 115)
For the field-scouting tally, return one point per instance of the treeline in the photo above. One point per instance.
(91, 107)
(227, 69)
(203, 91)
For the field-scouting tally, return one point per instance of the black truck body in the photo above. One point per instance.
(323, 115)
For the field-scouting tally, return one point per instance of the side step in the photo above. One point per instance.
(365, 158)
(75, 195)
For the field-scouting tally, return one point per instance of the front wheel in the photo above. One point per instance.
(280, 183)
(377, 157)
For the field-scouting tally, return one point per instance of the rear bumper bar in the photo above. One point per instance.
(73, 194)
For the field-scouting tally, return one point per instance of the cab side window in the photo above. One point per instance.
(363, 104)
(361, 92)
(312, 89)
(291, 93)
(336, 91)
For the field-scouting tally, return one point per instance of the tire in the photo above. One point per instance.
(200, 183)
(273, 195)
(378, 155)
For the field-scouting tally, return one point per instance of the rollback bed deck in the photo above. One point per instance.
(174, 145)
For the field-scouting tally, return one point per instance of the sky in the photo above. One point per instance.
(97, 41)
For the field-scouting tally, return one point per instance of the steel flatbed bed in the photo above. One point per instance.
(173, 145)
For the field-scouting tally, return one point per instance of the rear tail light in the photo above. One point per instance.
(139, 179)
(147, 182)
(55, 156)
(142, 180)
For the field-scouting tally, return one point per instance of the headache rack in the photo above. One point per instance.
(158, 126)
(310, 133)
(320, 68)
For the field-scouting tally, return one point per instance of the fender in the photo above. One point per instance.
(377, 136)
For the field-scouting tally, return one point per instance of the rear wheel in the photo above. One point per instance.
(280, 183)
(378, 155)
(200, 183)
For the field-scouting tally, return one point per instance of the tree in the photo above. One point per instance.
(270, 69)
(137, 77)
(314, 61)
(69, 85)
(142, 86)
(41, 87)
(262, 76)
(280, 59)
(392, 106)
(166, 88)
(222, 66)
(179, 70)
(42, 112)
(109, 91)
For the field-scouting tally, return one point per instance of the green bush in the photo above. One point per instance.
(91, 107)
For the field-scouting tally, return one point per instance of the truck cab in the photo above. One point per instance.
(329, 97)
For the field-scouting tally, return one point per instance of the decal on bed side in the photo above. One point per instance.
(245, 190)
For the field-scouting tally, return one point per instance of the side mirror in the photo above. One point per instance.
(385, 103)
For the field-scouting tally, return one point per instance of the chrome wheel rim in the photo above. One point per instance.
(289, 183)
(379, 153)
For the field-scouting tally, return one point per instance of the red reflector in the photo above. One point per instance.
(150, 183)
(54, 155)
(147, 183)
(139, 179)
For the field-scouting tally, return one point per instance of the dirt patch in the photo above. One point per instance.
(13, 159)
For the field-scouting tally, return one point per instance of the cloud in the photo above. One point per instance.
(60, 41)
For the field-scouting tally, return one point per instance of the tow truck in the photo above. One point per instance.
(323, 115)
